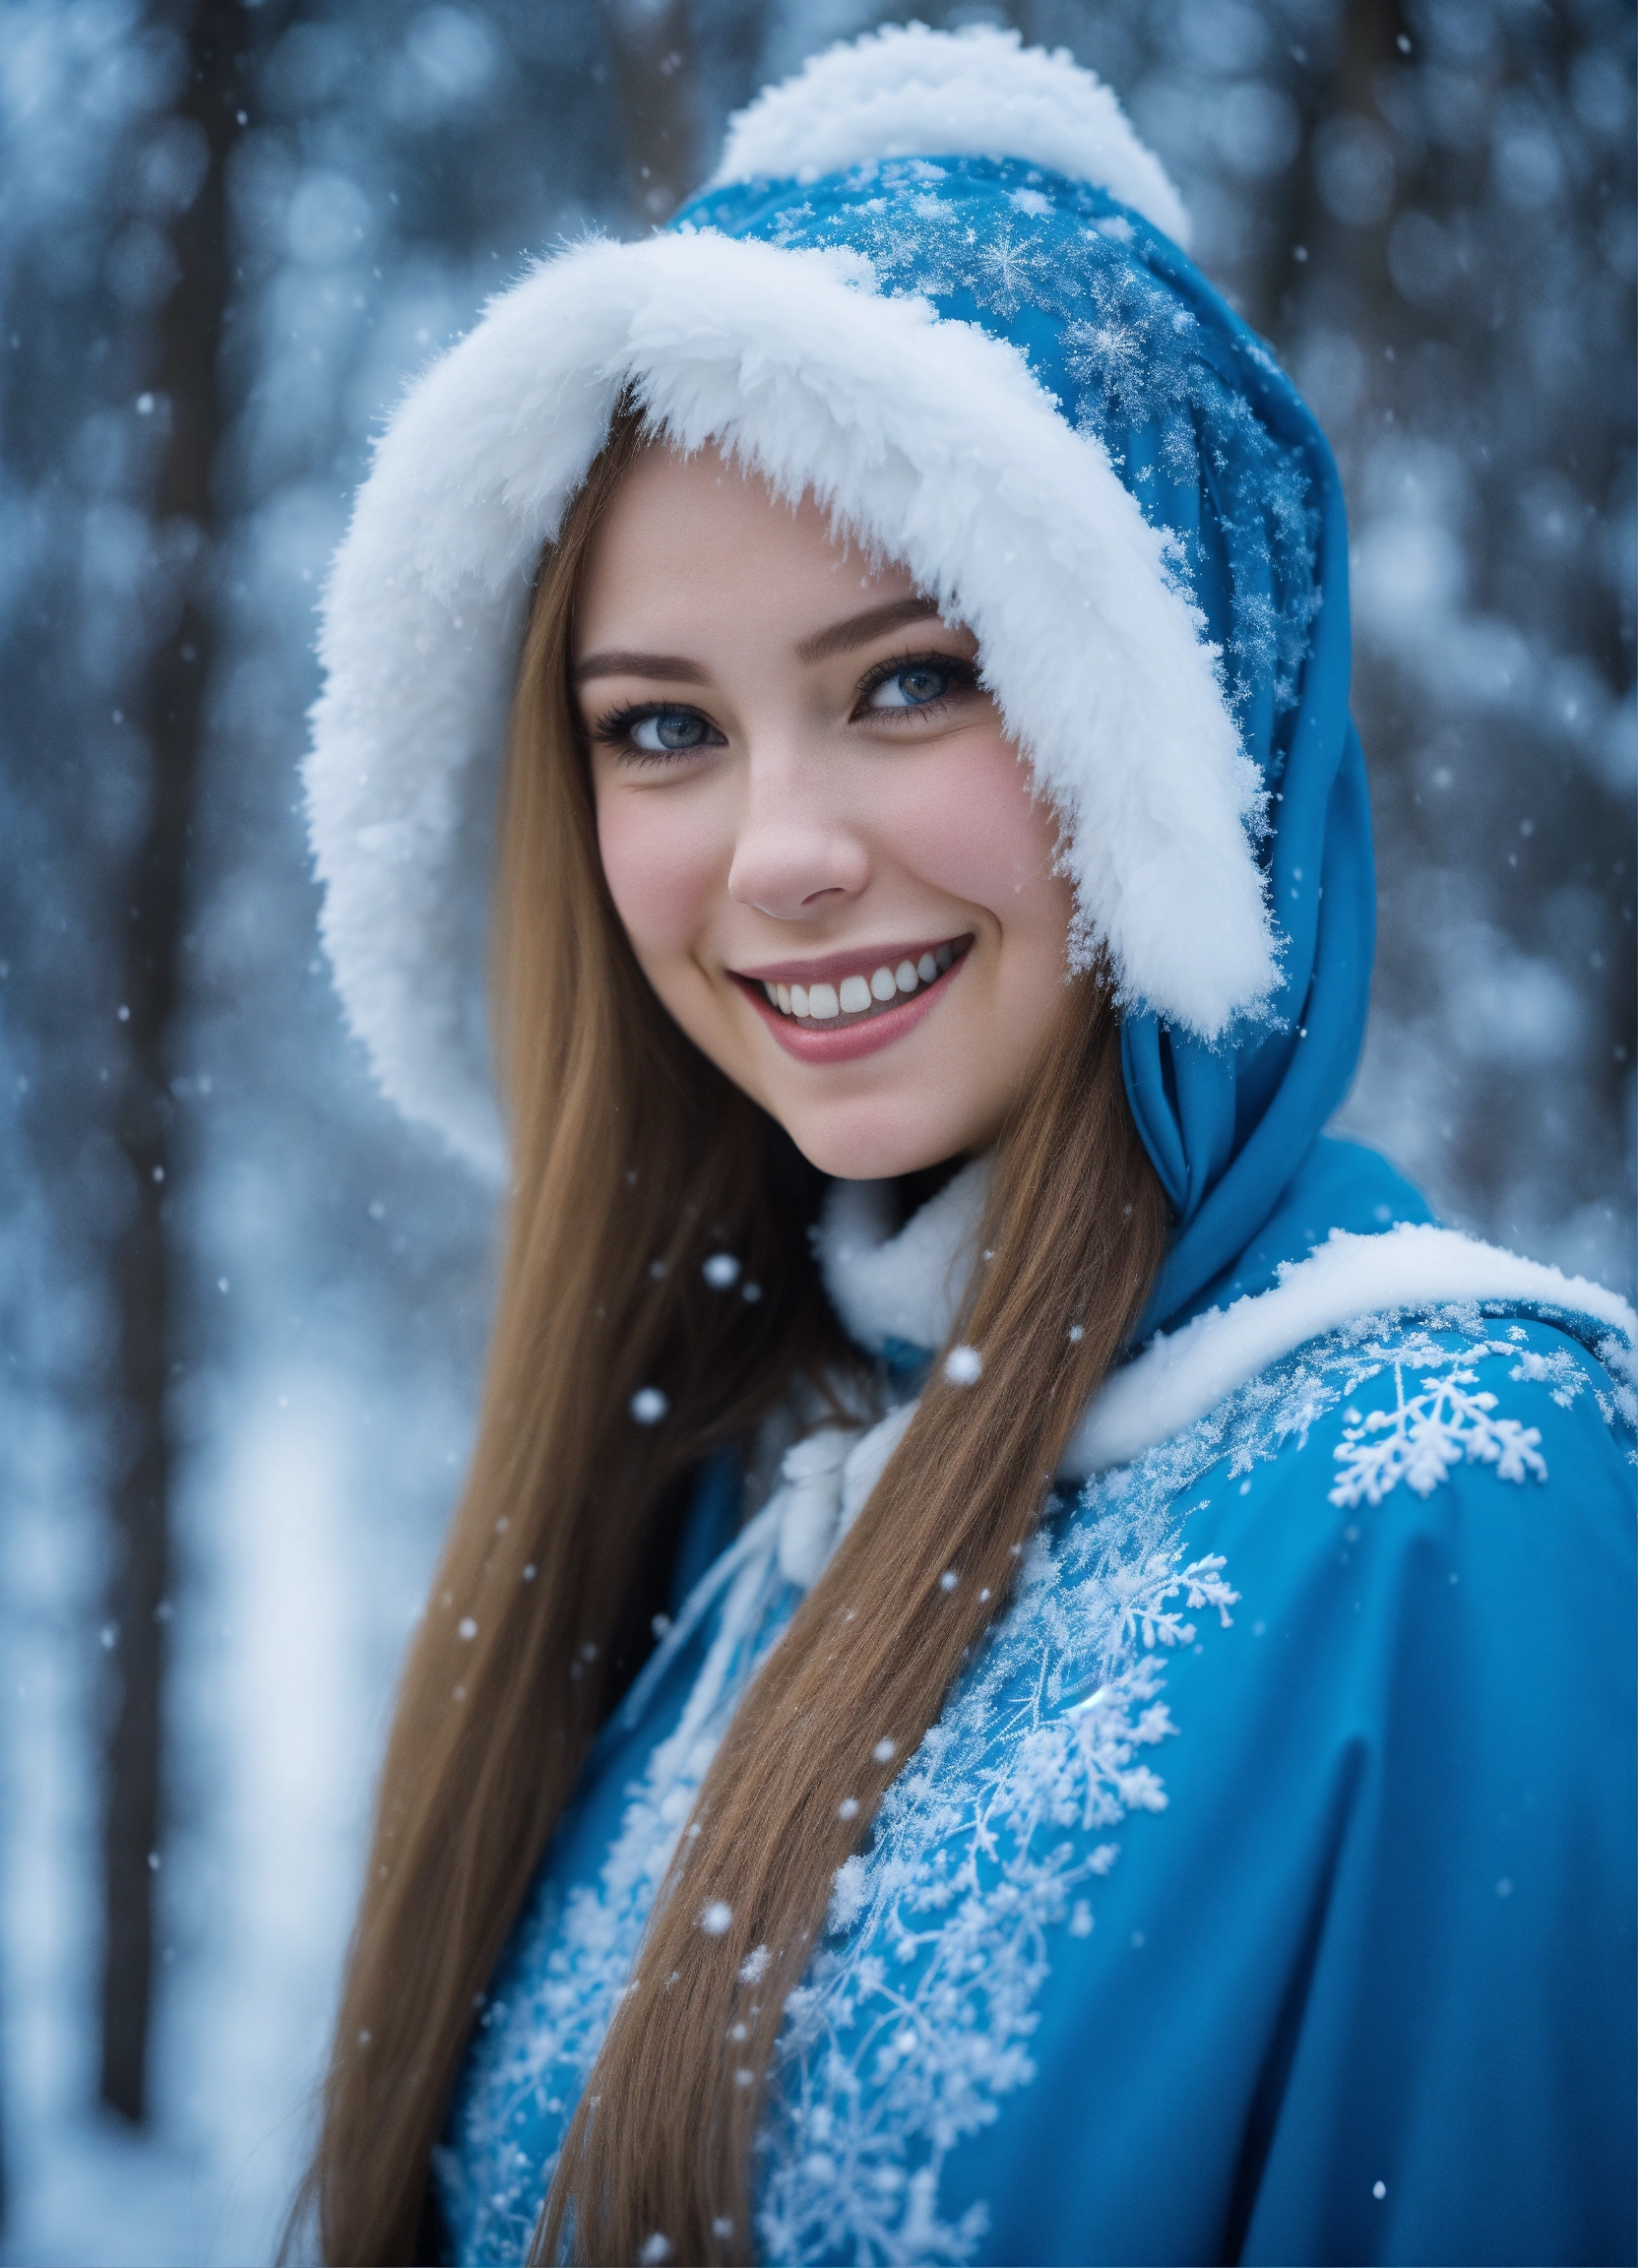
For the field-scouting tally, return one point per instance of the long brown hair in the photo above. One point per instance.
(633, 1161)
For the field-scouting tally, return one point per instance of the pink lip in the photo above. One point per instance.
(856, 1039)
(833, 967)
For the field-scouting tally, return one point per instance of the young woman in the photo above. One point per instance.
(1034, 1666)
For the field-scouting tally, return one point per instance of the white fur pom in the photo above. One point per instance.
(910, 93)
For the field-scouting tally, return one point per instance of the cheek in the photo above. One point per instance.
(982, 835)
(664, 863)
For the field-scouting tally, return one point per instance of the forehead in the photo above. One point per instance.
(690, 541)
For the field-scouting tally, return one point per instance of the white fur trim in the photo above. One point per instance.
(1176, 1380)
(910, 93)
(932, 441)
(906, 1287)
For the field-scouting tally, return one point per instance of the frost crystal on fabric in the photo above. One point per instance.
(575, 1954)
(1177, 1378)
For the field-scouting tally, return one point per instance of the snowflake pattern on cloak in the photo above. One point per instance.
(906, 2036)
(1423, 1435)
(915, 2020)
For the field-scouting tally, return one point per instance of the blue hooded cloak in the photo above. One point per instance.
(1265, 1888)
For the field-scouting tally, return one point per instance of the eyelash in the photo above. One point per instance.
(615, 730)
(962, 676)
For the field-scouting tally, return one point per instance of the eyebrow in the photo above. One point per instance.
(619, 664)
(841, 638)
(859, 629)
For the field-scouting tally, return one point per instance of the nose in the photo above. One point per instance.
(794, 854)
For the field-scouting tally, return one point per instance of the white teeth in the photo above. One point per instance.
(855, 995)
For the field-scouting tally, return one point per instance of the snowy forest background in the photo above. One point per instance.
(242, 1308)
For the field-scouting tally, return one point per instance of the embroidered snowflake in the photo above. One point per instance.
(1008, 267)
(1422, 1437)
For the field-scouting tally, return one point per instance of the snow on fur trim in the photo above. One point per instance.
(962, 468)
(1177, 1379)
(906, 92)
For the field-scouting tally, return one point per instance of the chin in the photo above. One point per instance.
(880, 1143)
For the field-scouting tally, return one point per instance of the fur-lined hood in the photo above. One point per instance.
(937, 281)
(930, 438)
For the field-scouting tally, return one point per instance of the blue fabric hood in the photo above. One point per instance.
(1212, 440)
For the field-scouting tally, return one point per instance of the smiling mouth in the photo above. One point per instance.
(867, 992)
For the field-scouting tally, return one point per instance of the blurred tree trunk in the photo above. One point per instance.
(653, 74)
(1375, 43)
(170, 709)
(1308, 244)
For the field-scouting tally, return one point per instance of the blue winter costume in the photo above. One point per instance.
(1265, 1889)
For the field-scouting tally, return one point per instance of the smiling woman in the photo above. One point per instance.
(970, 1708)
(790, 796)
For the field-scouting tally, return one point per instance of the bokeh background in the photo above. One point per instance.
(242, 1308)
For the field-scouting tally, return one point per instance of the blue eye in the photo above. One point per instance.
(913, 687)
(667, 732)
